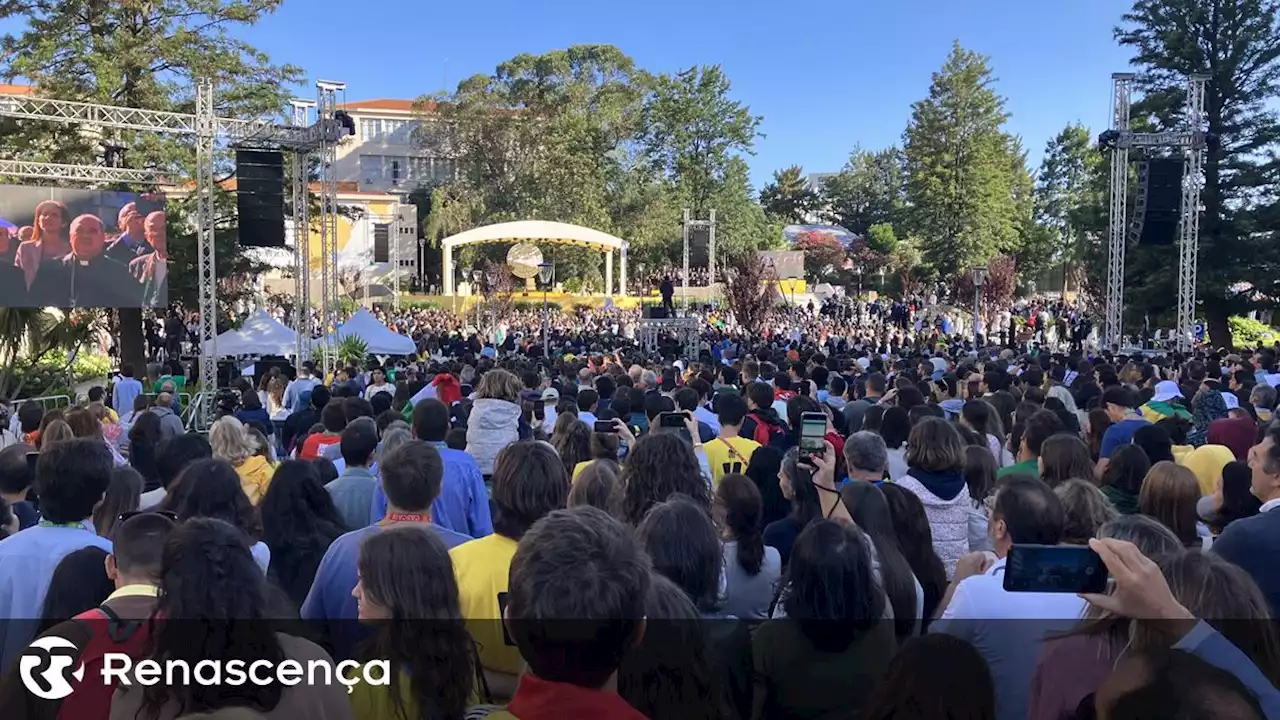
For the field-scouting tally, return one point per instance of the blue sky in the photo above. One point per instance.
(826, 74)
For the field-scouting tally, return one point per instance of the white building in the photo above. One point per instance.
(392, 151)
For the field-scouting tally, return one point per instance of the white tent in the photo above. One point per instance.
(260, 334)
(380, 338)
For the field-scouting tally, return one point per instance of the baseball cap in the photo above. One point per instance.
(1166, 390)
(551, 395)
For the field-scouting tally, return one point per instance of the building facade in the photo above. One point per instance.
(394, 148)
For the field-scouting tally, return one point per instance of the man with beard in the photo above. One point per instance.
(152, 269)
(132, 243)
(85, 277)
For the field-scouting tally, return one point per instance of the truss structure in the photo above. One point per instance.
(684, 330)
(686, 225)
(206, 128)
(1190, 142)
(329, 296)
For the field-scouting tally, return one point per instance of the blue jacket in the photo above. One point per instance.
(463, 505)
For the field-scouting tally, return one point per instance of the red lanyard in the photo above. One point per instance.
(406, 517)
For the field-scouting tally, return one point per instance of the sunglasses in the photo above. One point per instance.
(135, 513)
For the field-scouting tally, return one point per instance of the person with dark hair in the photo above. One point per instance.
(1252, 543)
(121, 497)
(763, 470)
(763, 423)
(1038, 428)
(895, 427)
(130, 595)
(751, 569)
(463, 503)
(145, 437)
(208, 574)
(730, 453)
(909, 688)
(125, 389)
(1123, 478)
(71, 479)
(1231, 500)
(251, 411)
(1169, 494)
(977, 608)
(352, 492)
(670, 674)
(827, 655)
(411, 476)
(1063, 457)
(529, 481)
(870, 511)
(172, 457)
(682, 545)
(211, 488)
(658, 465)
(334, 418)
(911, 526)
(1121, 407)
(16, 478)
(79, 583)
(406, 590)
(299, 523)
(583, 564)
(874, 386)
(311, 402)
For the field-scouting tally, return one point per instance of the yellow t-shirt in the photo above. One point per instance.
(727, 457)
(481, 567)
(577, 469)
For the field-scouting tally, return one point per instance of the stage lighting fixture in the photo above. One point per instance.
(1108, 140)
(347, 123)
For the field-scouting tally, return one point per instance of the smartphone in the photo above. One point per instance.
(671, 420)
(813, 431)
(32, 459)
(605, 426)
(540, 409)
(1054, 569)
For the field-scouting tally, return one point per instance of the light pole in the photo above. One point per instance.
(979, 276)
(858, 270)
(881, 288)
(476, 275)
(547, 274)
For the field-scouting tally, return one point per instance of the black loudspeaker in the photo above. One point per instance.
(381, 242)
(655, 312)
(1158, 204)
(260, 197)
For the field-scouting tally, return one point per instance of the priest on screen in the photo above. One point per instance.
(85, 277)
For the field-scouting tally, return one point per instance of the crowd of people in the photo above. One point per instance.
(612, 532)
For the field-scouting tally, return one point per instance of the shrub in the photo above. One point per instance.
(1246, 332)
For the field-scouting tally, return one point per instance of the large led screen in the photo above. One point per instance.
(66, 248)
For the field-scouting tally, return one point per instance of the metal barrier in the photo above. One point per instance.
(193, 417)
(46, 402)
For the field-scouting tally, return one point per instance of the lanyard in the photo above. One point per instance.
(71, 526)
(406, 517)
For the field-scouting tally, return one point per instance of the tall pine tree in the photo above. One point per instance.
(967, 198)
(1066, 198)
(1237, 44)
(867, 191)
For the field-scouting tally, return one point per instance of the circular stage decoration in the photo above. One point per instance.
(524, 259)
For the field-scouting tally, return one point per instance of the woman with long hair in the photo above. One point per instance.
(79, 583)
(1231, 501)
(979, 416)
(681, 541)
(895, 428)
(909, 689)
(980, 478)
(911, 526)
(211, 488)
(826, 656)
(407, 591)
(1063, 457)
(123, 495)
(572, 440)
(276, 408)
(810, 501)
(50, 239)
(1095, 426)
(599, 486)
(1169, 494)
(669, 674)
(763, 469)
(870, 511)
(56, 431)
(144, 440)
(299, 522)
(659, 465)
(1123, 478)
(208, 580)
(232, 442)
(751, 569)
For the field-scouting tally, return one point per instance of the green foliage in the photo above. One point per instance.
(1065, 190)
(789, 198)
(868, 191)
(967, 185)
(1236, 43)
(1246, 332)
(881, 238)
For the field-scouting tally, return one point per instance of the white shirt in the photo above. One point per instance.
(1269, 505)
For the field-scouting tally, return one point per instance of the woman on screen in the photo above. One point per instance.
(49, 239)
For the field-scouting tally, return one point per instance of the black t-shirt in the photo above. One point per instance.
(782, 534)
(26, 514)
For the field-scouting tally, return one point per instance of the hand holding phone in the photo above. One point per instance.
(671, 420)
(1054, 569)
(606, 426)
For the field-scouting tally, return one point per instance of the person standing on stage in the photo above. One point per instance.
(667, 290)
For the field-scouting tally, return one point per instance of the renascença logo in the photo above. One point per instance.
(46, 670)
(45, 664)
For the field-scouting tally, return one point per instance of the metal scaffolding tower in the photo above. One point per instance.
(301, 193)
(1191, 142)
(327, 104)
(207, 129)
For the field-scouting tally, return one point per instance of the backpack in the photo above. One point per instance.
(108, 633)
(767, 435)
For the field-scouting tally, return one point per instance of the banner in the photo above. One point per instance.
(63, 247)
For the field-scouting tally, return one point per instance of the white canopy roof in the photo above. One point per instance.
(380, 338)
(260, 334)
(543, 231)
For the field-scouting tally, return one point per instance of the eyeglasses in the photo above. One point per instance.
(135, 513)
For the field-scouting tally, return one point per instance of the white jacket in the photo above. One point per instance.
(492, 425)
(948, 521)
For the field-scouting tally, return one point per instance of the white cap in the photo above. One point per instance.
(1166, 390)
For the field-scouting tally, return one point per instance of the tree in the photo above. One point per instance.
(751, 289)
(904, 260)
(28, 336)
(1237, 44)
(962, 184)
(145, 55)
(868, 191)
(691, 131)
(789, 197)
(998, 286)
(1065, 193)
(881, 238)
(822, 253)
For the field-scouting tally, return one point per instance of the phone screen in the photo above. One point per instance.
(813, 430)
(32, 459)
(605, 426)
(671, 420)
(1054, 568)
(540, 409)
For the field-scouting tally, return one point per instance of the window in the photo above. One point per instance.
(371, 168)
(370, 129)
